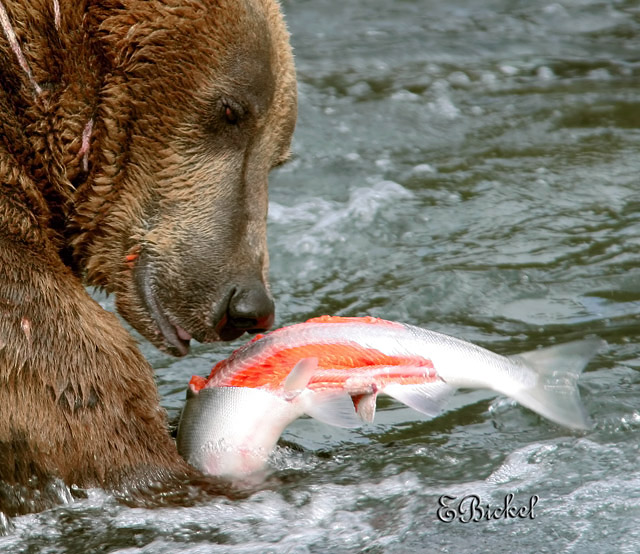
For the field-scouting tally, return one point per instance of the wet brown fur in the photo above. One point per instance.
(165, 177)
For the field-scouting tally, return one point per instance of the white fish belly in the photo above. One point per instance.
(230, 431)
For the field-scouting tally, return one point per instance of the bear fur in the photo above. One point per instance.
(136, 137)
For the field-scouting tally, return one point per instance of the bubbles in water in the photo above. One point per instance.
(405, 96)
(459, 79)
(524, 467)
(6, 526)
(361, 89)
(508, 70)
(442, 104)
(599, 74)
(545, 73)
(289, 459)
(422, 170)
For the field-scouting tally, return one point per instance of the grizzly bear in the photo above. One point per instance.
(136, 141)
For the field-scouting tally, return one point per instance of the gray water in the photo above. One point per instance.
(466, 166)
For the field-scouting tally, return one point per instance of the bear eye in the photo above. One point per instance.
(231, 116)
(228, 118)
(232, 112)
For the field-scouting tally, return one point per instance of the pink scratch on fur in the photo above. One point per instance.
(15, 46)
(56, 14)
(26, 327)
(84, 149)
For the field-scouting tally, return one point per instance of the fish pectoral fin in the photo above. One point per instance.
(365, 406)
(332, 408)
(428, 398)
(300, 375)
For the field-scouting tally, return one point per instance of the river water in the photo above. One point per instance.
(467, 166)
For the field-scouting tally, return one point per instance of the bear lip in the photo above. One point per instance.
(174, 335)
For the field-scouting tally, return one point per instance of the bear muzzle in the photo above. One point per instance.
(247, 307)
(250, 308)
(173, 317)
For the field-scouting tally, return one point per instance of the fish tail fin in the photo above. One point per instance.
(555, 394)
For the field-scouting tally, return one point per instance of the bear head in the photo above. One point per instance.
(196, 106)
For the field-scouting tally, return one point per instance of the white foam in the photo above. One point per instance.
(459, 79)
(332, 219)
(509, 70)
(422, 170)
(442, 104)
(600, 74)
(523, 465)
(545, 73)
(405, 96)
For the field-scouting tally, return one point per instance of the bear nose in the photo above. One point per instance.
(251, 308)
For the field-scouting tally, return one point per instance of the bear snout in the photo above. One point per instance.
(246, 307)
(251, 309)
(193, 305)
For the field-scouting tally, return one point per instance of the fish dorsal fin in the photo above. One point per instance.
(300, 375)
(428, 398)
(332, 408)
(365, 405)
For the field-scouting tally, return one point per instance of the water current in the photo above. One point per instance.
(470, 167)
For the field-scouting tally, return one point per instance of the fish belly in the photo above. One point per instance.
(231, 431)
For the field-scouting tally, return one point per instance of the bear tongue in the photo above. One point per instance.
(182, 334)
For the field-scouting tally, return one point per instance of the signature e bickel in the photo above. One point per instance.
(470, 508)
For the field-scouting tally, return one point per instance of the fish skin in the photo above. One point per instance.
(213, 438)
(333, 368)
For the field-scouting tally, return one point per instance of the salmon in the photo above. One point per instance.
(333, 368)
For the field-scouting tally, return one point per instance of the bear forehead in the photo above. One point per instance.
(248, 71)
(239, 48)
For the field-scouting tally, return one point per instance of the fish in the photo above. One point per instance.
(332, 368)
